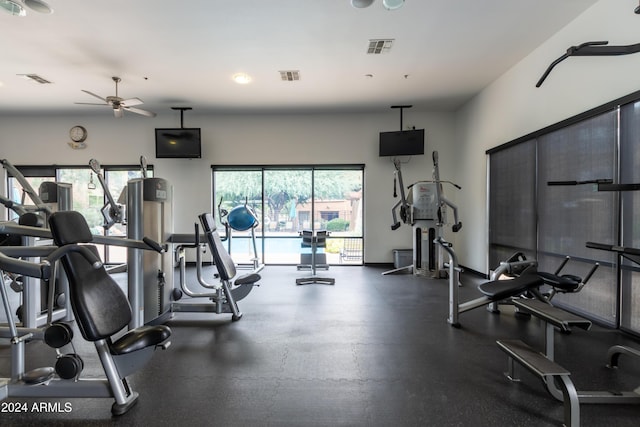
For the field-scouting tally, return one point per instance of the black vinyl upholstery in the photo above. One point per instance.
(221, 258)
(565, 283)
(100, 306)
(68, 228)
(31, 219)
(225, 265)
(139, 338)
(498, 290)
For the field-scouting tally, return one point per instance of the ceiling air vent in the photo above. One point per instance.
(290, 76)
(378, 46)
(35, 78)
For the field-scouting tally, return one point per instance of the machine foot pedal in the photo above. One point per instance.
(39, 376)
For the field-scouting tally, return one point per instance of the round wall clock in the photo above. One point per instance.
(78, 134)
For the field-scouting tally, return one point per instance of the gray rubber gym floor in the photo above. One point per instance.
(372, 350)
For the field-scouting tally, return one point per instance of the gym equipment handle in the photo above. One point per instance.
(154, 245)
(613, 248)
(42, 270)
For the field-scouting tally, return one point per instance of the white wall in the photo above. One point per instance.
(512, 106)
(240, 140)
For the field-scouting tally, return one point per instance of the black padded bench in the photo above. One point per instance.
(538, 364)
(542, 364)
(497, 290)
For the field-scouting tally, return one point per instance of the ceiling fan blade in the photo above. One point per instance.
(93, 94)
(140, 111)
(131, 102)
(117, 112)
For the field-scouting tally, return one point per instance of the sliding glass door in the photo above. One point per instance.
(288, 200)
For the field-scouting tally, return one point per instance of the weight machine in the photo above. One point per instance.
(222, 296)
(39, 208)
(425, 209)
(101, 311)
(42, 301)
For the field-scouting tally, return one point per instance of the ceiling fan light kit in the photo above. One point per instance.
(118, 104)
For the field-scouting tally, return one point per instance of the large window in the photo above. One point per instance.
(288, 201)
(512, 219)
(543, 201)
(630, 173)
(571, 215)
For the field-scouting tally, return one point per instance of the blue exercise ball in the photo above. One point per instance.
(241, 218)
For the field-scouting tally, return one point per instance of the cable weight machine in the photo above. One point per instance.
(425, 209)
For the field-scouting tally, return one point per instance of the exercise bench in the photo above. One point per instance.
(524, 280)
(543, 364)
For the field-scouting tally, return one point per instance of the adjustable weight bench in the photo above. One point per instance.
(525, 280)
(495, 291)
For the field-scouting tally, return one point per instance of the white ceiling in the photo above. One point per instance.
(184, 53)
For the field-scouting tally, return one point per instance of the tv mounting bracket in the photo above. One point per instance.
(401, 107)
(182, 110)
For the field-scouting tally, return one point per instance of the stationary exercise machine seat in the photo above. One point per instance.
(498, 290)
(225, 265)
(100, 306)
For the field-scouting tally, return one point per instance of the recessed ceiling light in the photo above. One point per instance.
(12, 7)
(242, 78)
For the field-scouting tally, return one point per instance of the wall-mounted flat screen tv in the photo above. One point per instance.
(180, 143)
(402, 143)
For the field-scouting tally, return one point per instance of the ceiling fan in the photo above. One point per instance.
(118, 104)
